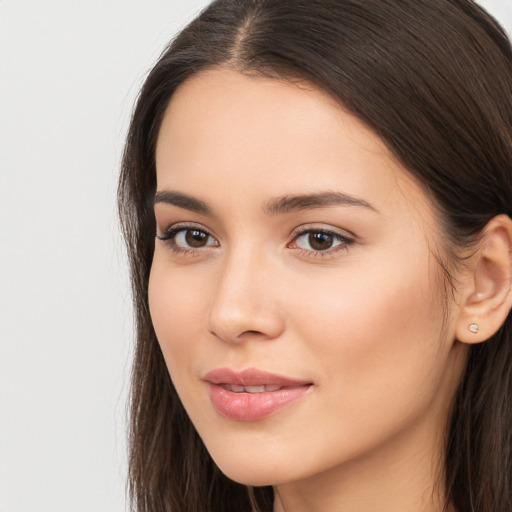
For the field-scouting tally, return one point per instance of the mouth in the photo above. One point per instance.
(236, 388)
(251, 378)
(252, 394)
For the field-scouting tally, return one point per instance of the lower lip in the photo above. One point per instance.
(253, 406)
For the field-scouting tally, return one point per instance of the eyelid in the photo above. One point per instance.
(323, 228)
(177, 226)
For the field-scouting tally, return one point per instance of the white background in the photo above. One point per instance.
(69, 73)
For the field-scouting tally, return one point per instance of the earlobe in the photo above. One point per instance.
(487, 298)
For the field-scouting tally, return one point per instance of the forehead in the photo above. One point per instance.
(225, 132)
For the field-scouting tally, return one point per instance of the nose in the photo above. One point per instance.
(244, 306)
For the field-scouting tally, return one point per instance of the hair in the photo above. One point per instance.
(433, 78)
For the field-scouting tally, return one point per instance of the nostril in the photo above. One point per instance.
(243, 320)
(243, 336)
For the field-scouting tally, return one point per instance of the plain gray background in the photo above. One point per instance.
(69, 73)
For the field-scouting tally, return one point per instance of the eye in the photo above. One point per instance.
(193, 238)
(320, 240)
(183, 238)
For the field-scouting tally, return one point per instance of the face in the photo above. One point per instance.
(293, 289)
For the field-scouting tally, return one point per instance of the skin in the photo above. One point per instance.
(362, 321)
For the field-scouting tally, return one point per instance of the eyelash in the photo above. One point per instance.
(343, 241)
(169, 238)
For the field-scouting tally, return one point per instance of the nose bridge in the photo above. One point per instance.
(244, 300)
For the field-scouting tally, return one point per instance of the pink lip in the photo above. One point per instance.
(246, 406)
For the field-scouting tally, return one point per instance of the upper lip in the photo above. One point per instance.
(250, 377)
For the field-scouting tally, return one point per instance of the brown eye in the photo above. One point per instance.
(183, 238)
(319, 241)
(195, 238)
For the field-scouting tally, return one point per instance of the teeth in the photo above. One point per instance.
(254, 389)
(236, 388)
(272, 388)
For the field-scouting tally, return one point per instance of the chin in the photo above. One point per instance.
(252, 472)
(248, 476)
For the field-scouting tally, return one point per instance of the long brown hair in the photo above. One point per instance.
(433, 78)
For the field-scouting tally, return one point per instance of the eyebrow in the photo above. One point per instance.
(277, 206)
(286, 204)
(182, 201)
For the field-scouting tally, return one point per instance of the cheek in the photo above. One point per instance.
(375, 333)
(177, 307)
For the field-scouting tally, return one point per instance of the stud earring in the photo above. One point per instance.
(474, 328)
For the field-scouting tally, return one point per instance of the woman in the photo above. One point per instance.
(316, 197)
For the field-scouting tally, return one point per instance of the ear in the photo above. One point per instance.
(486, 295)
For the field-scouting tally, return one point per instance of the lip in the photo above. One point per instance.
(252, 406)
